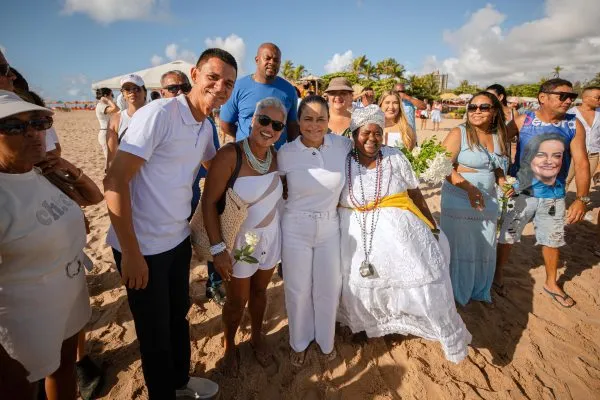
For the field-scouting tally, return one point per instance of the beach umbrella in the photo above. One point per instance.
(465, 96)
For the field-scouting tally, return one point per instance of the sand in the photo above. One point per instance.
(524, 345)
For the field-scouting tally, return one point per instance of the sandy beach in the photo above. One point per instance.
(525, 346)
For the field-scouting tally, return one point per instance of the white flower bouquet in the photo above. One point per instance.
(506, 203)
(430, 161)
(245, 253)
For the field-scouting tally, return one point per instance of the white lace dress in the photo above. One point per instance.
(410, 292)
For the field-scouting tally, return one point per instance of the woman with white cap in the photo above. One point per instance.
(43, 292)
(134, 91)
(395, 275)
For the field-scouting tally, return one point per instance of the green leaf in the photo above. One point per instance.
(251, 260)
(237, 253)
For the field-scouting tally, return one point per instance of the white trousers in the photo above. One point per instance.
(312, 277)
(103, 143)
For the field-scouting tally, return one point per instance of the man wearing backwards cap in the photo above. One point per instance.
(148, 191)
(134, 92)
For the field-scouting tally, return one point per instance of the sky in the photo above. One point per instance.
(62, 46)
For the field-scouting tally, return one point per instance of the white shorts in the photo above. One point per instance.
(267, 251)
(35, 319)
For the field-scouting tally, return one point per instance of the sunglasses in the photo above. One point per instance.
(131, 89)
(17, 127)
(184, 87)
(264, 120)
(563, 96)
(485, 107)
(4, 69)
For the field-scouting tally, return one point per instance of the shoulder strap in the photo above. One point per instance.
(121, 135)
(463, 136)
(238, 166)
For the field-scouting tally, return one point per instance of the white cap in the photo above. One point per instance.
(11, 104)
(132, 78)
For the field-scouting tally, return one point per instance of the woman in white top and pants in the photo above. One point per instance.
(313, 165)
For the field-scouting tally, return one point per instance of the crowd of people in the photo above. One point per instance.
(328, 196)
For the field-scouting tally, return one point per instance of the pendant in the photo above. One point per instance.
(366, 269)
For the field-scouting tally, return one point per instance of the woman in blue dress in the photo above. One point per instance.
(469, 209)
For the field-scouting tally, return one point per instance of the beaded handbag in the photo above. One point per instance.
(232, 214)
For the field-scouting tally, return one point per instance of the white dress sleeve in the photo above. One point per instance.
(401, 167)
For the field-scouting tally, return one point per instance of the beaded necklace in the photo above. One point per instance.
(364, 209)
(260, 166)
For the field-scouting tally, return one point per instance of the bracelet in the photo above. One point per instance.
(217, 248)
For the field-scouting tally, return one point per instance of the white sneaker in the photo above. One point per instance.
(198, 388)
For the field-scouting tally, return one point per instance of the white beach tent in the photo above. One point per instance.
(151, 76)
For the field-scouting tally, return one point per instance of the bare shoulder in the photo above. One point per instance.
(115, 120)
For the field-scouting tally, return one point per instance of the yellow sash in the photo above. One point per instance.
(399, 200)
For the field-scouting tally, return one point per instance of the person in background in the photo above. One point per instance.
(424, 115)
(154, 95)
(436, 115)
(148, 192)
(509, 112)
(252, 88)
(365, 98)
(7, 76)
(132, 86)
(43, 291)
(173, 83)
(397, 128)
(339, 96)
(105, 107)
(410, 104)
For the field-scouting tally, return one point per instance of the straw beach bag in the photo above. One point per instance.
(232, 214)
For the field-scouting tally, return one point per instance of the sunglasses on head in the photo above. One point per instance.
(184, 87)
(14, 127)
(265, 120)
(131, 89)
(4, 69)
(563, 96)
(485, 107)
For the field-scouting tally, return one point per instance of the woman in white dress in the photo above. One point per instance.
(257, 182)
(395, 277)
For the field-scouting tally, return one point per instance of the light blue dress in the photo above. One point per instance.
(472, 233)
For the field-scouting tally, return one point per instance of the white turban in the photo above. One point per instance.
(370, 114)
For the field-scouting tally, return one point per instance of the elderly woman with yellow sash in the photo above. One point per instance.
(394, 270)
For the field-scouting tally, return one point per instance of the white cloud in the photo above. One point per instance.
(234, 45)
(156, 60)
(339, 62)
(567, 35)
(73, 92)
(173, 52)
(107, 11)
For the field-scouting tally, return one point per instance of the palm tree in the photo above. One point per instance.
(298, 72)
(369, 71)
(557, 70)
(358, 65)
(391, 68)
(287, 70)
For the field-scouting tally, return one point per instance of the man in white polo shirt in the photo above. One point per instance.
(148, 191)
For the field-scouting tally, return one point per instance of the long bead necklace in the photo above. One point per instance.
(260, 166)
(364, 210)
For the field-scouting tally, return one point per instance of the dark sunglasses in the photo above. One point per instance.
(17, 127)
(4, 69)
(264, 120)
(485, 107)
(132, 89)
(563, 96)
(184, 87)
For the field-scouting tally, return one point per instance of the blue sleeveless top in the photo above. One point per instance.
(543, 156)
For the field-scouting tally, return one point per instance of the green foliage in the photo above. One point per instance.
(523, 90)
(287, 70)
(428, 150)
(423, 87)
(466, 87)
(245, 255)
(595, 81)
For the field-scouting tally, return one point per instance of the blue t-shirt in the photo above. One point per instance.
(543, 156)
(409, 111)
(247, 92)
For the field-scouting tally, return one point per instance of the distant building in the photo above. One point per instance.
(442, 81)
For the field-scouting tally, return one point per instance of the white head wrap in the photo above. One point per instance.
(370, 114)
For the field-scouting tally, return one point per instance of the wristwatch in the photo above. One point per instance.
(584, 199)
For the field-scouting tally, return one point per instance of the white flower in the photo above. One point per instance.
(251, 239)
(438, 169)
(398, 144)
(416, 151)
(511, 180)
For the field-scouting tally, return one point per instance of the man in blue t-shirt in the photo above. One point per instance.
(410, 105)
(236, 114)
(548, 140)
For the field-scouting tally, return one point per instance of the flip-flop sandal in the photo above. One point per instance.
(564, 298)
(265, 359)
(297, 359)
